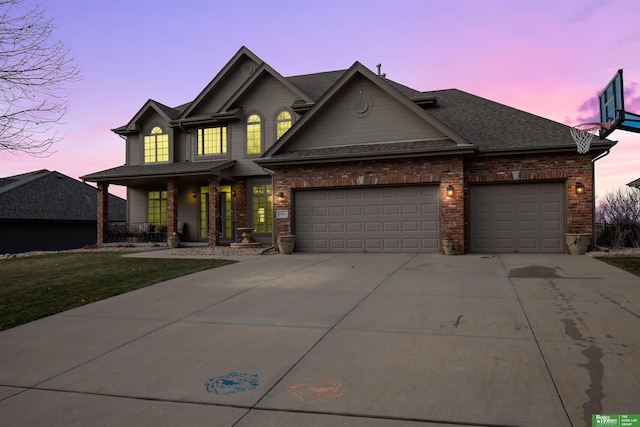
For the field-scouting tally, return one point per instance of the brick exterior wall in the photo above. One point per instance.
(103, 212)
(241, 199)
(457, 171)
(570, 168)
(214, 200)
(172, 206)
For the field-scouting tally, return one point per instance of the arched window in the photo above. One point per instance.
(156, 146)
(283, 123)
(254, 134)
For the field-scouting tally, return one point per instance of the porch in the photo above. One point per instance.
(138, 232)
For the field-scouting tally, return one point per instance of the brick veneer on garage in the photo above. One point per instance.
(445, 171)
(579, 207)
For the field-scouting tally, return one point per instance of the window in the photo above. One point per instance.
(157, 208)
(204, 212)
(263, 208)
(212, 140)
(283, 123)
(156, 146)
(254, 134)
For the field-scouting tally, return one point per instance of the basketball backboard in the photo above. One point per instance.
(612, 109)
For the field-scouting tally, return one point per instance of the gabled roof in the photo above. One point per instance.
(166, 112)
(277, 153)
(317, 84)
(242, 52)
(51, 196)
(263, 70)
(635, 183)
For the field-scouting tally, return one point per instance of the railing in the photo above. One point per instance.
(135, 232)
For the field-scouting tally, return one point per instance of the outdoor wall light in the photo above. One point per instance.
(579, 188)
(281, 196)
(193, 194)
(450, 191)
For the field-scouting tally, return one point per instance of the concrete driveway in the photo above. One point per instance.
(340, 340)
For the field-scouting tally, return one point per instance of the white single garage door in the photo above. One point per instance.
(527, 217)
(373, 219)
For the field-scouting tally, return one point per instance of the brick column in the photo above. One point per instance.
(172, 206)
(214, 210)
(241, 196)
(103, 212)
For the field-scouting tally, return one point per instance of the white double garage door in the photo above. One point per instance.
(526, 217)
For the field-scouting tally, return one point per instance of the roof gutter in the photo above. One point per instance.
(356, 158)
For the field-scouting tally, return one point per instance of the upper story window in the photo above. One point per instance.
(156, 146)
(254, 134)
(283, 123)
(212, 141)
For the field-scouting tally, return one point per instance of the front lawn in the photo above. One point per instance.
(38, 286)
(630, 264)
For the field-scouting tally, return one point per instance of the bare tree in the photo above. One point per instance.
(620, 211)
(34, 71)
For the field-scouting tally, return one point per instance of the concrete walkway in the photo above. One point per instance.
(339, 340)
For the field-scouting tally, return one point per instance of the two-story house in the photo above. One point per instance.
(349, 160)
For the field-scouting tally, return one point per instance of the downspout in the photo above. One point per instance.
(593, 207)
(273, 214)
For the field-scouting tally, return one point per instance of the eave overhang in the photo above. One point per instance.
(596, 148)
(137, 174)
(215, 118)
(301, 157)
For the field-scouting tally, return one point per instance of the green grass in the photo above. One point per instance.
(38, 286)
(630, 264)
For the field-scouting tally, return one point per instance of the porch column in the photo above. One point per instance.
(172, 207)
(242, 195)
(214, 210)
(103, 212)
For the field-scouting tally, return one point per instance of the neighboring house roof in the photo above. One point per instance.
(51, 196)
(125, 174)
(635, 183)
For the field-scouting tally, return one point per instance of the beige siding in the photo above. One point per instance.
(267, 97)
(188, 210)
(138, 200)
(134, 149)
(225, 89)
(340, 124)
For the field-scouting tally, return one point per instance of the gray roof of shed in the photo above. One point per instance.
(51, 196)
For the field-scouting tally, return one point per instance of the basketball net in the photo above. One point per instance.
(583, 134)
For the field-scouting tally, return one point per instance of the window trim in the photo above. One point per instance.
(155, 142)
(246, 135)
(277, 121)
(224, 153)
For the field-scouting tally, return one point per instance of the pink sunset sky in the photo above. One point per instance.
(547, 57)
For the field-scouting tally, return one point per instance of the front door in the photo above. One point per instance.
(225, 220)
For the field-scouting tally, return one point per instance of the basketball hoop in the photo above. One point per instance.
(583, 134)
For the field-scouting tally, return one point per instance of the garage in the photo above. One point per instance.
(524, 217)
(367, 219)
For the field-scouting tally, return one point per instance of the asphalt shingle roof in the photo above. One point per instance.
(492, 126)
(51, 196)
(157, 170)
